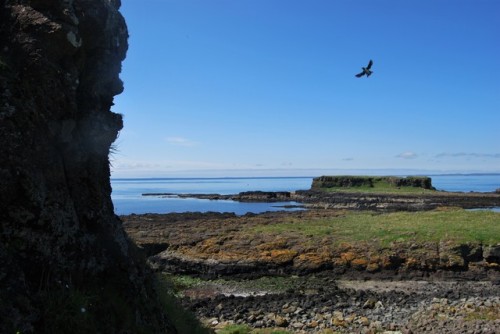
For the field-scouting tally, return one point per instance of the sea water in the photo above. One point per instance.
(127, 193)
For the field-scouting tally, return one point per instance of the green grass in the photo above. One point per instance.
(235, 329)
(485, 314)
(456, 225)
(244, 329)
(371, 184)
(380, 187)
(181, 282)
(183, 320)
(267, 283)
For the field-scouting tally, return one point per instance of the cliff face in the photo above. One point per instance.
(62, 249)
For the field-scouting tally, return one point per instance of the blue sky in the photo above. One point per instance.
(267, 87)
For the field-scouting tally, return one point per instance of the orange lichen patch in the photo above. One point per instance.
(372, 267)
(312, 260)
(359, 263)
(278, 255)
(228, 257)
(211, 245)
(347, 257)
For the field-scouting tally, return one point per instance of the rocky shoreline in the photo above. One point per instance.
(357, 200)
(316, 284)
(319, 304)
(410, 288)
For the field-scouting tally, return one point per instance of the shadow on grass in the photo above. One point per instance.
(183, 320)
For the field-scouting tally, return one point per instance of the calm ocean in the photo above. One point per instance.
(127, 193)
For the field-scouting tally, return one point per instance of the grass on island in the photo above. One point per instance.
(455, 225)
(382, 189)
(415, 185)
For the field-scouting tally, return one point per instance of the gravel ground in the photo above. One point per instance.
(322, 305)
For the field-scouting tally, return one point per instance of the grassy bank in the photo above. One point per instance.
(454, 225)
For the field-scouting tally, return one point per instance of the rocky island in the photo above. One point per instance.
(363, 193)
(370, 254)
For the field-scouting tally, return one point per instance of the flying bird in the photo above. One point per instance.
(366, 70)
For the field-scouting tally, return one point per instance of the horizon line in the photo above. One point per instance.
(400, 172)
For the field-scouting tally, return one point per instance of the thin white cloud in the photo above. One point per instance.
(468, 155)
(181, 141)
(407, 155)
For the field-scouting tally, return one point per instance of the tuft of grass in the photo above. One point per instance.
(457, 225)
(245, 329)
(235, 329)
(182, 282)
(486, 314)
(183, 320)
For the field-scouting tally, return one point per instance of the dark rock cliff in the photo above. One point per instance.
(65, 262)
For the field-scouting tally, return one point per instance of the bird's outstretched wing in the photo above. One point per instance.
(369, 64)
(359, 75)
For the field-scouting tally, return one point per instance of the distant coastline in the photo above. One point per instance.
(295, 176)
(127, 192)
(299, 172)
